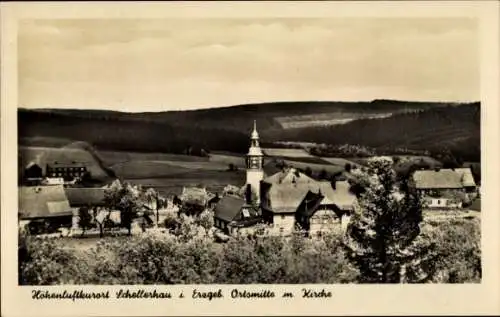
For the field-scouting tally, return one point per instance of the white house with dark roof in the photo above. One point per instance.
(291, 197)
(444, 188)
(232, 214)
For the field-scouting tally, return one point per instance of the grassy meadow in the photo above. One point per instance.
(169, 173)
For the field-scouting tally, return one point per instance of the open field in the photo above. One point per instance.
(331, 169)
(169, 173)
(340, 161)
(289, 153)
(44, 141)
(114, 157)
(172, 185)
(228, 158)
(325, 119)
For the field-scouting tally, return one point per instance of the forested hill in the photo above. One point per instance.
(270, 116)
(377, 123)
(452, 128)
(126, 134)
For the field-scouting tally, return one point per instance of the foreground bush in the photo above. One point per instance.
(457, 250)
(43, 262)
(156, 258)
(192, 257)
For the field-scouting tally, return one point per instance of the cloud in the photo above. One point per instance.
(193, 62)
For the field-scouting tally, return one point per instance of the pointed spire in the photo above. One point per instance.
(255, 134)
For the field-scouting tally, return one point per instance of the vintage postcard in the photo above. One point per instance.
(245, 158)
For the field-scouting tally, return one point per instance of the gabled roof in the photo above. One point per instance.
(42, 202)
(229, 207)
(289, 176)
(286, 198)
(440, 179)
(340, 196)
(33, 164)
(467, 177)
(85, 196)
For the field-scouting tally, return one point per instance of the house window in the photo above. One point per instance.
(282, 217)
(439, 202)
(282, 230)
(246, 214)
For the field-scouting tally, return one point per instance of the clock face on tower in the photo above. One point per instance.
(254, 162)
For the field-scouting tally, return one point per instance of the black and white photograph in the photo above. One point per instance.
(249, 151)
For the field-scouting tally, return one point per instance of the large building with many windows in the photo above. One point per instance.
(65, 170)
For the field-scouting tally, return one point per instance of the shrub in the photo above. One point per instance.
(43, 262)
(458, 250)
(189, 255)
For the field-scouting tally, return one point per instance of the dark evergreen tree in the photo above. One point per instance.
(382, 238)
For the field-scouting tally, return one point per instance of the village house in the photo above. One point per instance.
(292, 198)
(52, 173)
(327, 208)
(282, 193)
(233, 215)
(33, 174)
(445, 188)
(44, 209)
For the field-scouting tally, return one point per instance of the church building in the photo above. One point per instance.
(255, 169)
(284, 200)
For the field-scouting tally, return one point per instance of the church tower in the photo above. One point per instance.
(255, 171)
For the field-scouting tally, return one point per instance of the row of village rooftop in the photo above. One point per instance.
(286, 198)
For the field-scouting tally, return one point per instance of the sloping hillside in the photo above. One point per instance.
(129, 132)
(380, 123)
(270, 116)
(454, 128)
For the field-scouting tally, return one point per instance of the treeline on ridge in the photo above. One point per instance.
(456, 129)
(421, 126)
(128, 135)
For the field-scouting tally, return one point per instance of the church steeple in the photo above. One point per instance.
(255, 171)
(254, 142)
(255, 134)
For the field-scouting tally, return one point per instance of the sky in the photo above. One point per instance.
(172, 64)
